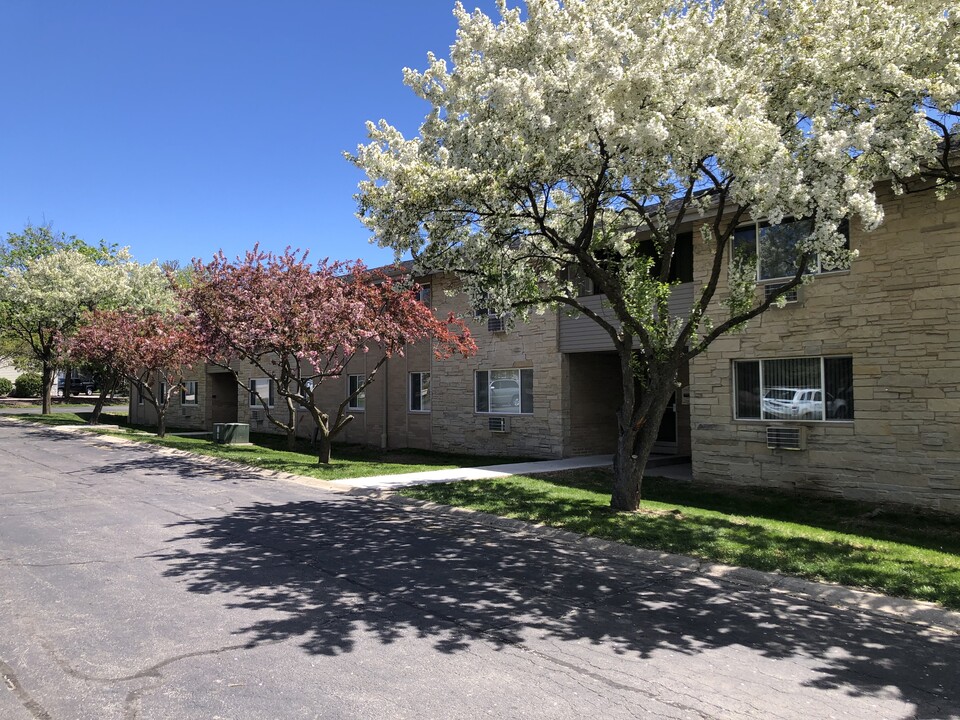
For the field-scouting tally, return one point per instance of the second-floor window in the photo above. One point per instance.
(423, 294)
(774, 247)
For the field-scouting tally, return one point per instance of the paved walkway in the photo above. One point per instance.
(389, 482)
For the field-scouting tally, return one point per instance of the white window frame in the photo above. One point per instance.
(504, 409)
(162, 392)
(185, 391)
(757, 227)
(358, 403)
(418, 394)
(762, 389)
(253, 388)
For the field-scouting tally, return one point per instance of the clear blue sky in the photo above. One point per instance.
(180, 127)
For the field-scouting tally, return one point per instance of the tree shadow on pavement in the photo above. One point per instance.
(323, 572)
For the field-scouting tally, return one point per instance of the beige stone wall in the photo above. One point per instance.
(183, 417)
(456, 425)
(897, 313)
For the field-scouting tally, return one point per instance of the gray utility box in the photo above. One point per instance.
(231, 433)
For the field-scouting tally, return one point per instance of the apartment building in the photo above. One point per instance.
(851, 389)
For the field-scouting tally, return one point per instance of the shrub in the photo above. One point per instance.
(28, 385)
(5, 387)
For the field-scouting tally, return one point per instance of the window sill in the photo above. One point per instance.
(793, 421)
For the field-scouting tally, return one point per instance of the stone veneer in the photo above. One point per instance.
(897, 313)
(533, 344)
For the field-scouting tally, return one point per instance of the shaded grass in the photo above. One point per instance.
(269, 451)
(894, 552)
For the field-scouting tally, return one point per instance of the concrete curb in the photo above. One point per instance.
(838, 596)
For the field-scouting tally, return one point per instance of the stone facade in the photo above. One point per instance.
(896, 312)
(452, 424)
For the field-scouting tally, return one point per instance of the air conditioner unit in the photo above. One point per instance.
(498, 424)
(495, 323)
(791, 295)
(786, 437)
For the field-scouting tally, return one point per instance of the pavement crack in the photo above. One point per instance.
(13, 683)
(152, 671)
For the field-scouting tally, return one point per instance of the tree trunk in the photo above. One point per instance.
(48, 379)
(161, 423)
(639, 424)
(291, 425)
(110, 382)
(323, 449)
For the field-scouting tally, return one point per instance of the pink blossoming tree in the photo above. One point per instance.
(299, 324)
(146, 348)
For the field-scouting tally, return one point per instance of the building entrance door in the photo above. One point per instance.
(222, 396)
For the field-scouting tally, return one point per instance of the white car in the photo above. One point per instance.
(787, 403)
(504, 394)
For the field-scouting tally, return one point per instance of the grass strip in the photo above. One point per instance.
(854, 544)
(268, 451)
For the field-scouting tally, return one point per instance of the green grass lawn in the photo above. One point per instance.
(269, 451)
(837, 541)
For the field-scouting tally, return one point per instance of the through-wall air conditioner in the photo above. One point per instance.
(498, 424)
(786, 437)
(791, 296)
(495, 323)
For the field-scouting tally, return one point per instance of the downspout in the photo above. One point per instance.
(386, 395)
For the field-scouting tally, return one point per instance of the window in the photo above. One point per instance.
(358, 402)
(681, 266)
(162, 392)
(420, 392)
(818, 388)
(774, 247)
(264, 388)
(423, 294)
(504, 391)
(188, 393)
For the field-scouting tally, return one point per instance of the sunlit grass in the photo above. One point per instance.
(269, 452)
(822, 539)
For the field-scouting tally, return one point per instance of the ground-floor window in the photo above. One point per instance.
(262, 387)
(504, 391)
(420, 392)
(188, 393)
(358, 401)
(812, 388)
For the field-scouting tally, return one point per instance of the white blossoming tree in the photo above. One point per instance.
(589, 133)
(47, 287)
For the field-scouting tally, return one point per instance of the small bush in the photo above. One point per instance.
(28, 385)
(6, 387)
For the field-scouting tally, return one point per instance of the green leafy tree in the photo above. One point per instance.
(587, 134)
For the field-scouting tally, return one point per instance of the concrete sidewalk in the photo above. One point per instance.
(390, 482)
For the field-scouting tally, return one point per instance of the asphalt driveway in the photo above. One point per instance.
(136, 584)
